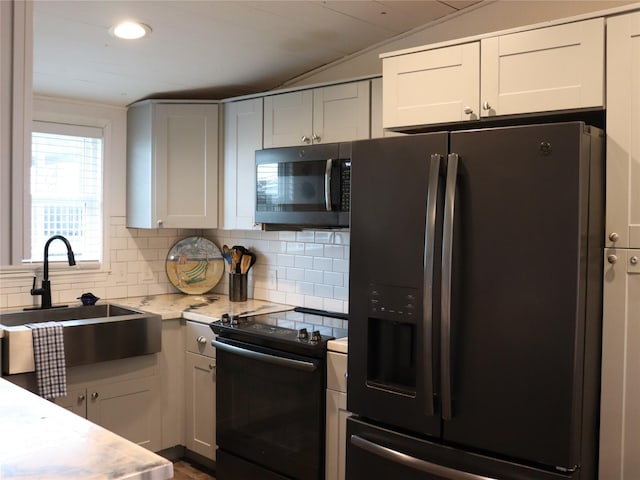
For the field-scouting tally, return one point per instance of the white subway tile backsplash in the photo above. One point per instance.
(313, 276)
(303, 261)
(334, 251)
(295, 274)
(323, 237)
(324, 291)
(322, 263)
(307, 268)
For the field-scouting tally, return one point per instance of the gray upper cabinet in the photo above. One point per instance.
(172, 164)
(328, 114)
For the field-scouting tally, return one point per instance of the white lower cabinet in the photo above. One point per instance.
(336, 419)
(620, 390)
(200, 390)
(127, 403)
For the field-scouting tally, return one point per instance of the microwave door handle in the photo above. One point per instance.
(413, 463)
(327, 184)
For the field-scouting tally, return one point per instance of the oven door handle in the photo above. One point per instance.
(265, 357)
(412, 462)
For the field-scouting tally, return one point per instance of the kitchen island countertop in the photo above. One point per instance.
(42, 440)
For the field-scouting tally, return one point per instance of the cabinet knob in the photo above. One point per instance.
(305, 139)
(633, 260)
(315, 138)
(612, 259)
(468, 110)
(81, 397)
(160, 222)
(614, 237)
(94, 395)
(202, 340)
(211, 366)
(486, 106)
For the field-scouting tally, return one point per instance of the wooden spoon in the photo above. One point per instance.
(245, 264)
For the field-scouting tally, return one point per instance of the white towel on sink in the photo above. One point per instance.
(48, 355)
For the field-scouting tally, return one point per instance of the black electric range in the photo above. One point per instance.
(261, 330)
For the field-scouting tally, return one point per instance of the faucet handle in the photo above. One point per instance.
(33, 287)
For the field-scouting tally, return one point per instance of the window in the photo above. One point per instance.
(66, 190)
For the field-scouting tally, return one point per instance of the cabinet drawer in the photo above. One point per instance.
(198, 339)
(337, 371)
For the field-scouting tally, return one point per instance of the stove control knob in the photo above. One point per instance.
(225, 319)
(315, 336)
(234, 320)
(303, 334)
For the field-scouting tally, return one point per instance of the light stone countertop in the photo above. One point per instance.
(340, 345)
(42, 440)
(201, 308)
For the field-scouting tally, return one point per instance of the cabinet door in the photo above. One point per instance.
(341, 112)
(623, 125)
(200, 399)
(75, 401)
(336, 435)
(186, 169)
(243, 136)
(130, 408)
(620, 391)
(288, 119)
(552, 68)
(432, 86)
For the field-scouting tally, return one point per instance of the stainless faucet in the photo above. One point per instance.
(45, 289)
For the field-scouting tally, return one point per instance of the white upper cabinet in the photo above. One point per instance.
(172, 165)
(553, 68)
(322, 115)
(623, 131)
(242, 137)
(431, 86)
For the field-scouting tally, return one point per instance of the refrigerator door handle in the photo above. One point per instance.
(412, 462)
(427, 304)
(445, 315)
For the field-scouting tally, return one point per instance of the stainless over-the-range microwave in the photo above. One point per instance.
(305, 186)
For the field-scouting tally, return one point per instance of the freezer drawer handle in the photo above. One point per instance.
(412, 462)
(265, 357)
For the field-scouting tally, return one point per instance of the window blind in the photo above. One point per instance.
(66, 190)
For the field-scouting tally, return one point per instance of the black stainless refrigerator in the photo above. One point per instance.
(475, 304)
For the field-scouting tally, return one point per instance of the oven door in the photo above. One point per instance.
(270, 409)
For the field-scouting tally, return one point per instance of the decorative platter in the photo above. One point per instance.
(194, 265)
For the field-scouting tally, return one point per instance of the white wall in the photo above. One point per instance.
(486, 18)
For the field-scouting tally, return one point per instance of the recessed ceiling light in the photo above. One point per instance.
(130, 30)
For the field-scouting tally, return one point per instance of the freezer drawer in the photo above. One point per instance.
(376, 452)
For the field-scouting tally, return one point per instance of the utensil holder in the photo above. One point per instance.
(238, 287)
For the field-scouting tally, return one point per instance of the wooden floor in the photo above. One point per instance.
(183, 470)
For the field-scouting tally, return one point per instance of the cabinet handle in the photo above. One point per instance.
(305, 139)
(94, 395)
(612, 259)
(468, 110)
(614, 237)
(315, 138)
(202, 339)
(486, 106)
(81, 397)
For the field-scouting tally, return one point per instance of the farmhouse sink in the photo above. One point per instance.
(92, 334)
